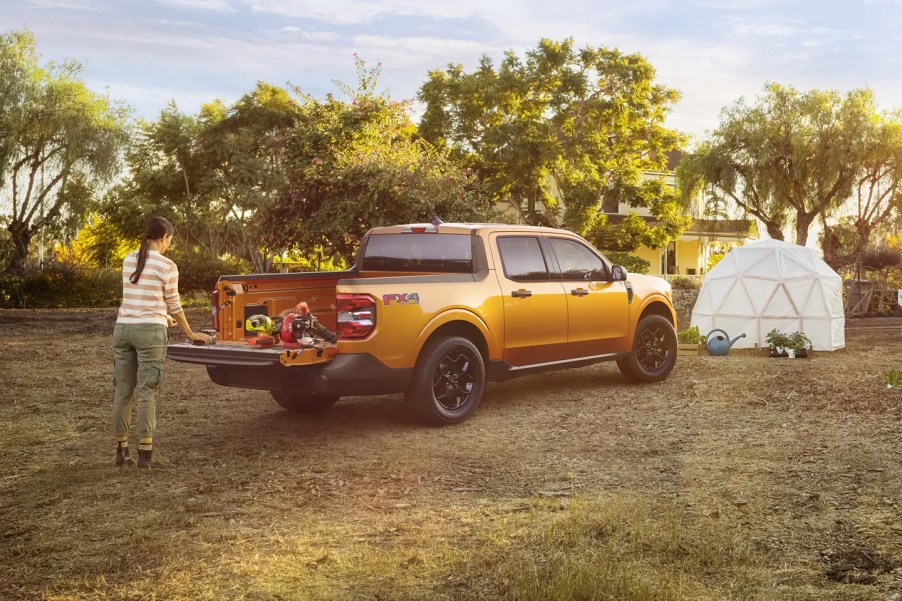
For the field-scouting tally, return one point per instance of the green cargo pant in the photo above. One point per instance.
(139, 352)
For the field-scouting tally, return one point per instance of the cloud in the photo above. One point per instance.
(209, 5)
(88, 5)
(713, 51)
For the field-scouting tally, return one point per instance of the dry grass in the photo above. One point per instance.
(737, 478)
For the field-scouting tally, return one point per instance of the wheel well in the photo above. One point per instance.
(466, 330)
(658, 309)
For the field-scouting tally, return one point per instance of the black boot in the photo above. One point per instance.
(144, 458)
(122, 455)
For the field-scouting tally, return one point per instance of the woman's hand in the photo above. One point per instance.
(170, 321)
(199, 337)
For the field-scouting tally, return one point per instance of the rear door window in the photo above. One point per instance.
(522, 258)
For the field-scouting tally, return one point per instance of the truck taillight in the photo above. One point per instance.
(356, 315)
(214, 298)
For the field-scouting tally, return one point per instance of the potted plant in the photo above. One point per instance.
(798, 344)
(688, 341)
(777, 342)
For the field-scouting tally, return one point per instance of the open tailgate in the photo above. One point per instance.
(239, 353)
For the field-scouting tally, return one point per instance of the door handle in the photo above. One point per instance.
(521, 293)
(580, 292)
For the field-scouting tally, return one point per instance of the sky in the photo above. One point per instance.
(148, 52)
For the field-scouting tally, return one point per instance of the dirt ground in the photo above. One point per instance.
(802, 457)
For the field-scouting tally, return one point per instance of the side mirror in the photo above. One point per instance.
(618, 273)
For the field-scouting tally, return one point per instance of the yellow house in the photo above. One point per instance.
(689, 255)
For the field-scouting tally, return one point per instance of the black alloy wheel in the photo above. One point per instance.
(651, 351)
(654, 350)
(448, 381)
(453, 381)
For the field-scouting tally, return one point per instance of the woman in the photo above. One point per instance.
(149, 290)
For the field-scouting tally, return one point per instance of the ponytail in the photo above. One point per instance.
(156, 229)
(142, 259)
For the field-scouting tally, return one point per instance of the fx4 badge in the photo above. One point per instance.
(408, 298)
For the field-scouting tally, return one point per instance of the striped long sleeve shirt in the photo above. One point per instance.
(156, 292)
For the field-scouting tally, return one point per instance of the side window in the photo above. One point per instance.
(522, 258)
(577, 261)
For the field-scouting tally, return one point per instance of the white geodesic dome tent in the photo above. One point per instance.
(772, 284)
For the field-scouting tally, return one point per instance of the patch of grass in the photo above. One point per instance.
(626, 548)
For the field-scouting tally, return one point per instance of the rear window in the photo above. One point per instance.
(445, 253)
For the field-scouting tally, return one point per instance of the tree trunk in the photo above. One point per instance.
(803, 224)
(773, 230)
(864, 235)
(21, 240)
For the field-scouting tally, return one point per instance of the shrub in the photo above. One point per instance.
(690, 336)
(632, 263)
(685, 283)
(199, 272)
(58, 287)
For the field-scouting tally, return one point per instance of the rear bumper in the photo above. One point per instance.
(349, 374)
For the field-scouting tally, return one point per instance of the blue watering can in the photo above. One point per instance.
(719, 344)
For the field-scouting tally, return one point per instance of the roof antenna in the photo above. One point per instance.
(436, 220)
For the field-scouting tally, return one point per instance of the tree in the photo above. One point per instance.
(878, 186)
(360, 164)
(791, 154)
(59, 143)
(213, 174)
(276, 172)
(564, 125)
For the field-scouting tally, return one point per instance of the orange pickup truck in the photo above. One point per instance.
(435, 311)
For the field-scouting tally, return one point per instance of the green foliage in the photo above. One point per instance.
(212, 174)
(359, 164)
(894, 379)
(776, 339)
(554, 133)
(199, 272)
(98, 244)
(275, 173)
(61, 287)
(718, 250)
(313, 262)
(790, 154)
(797, 341)
(632, 263)
(878, 194)
(839, 241)
(59, 144)
(685, 283)
(690, 336)
(6, 245)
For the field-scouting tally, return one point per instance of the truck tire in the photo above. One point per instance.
(654, 350)
(303, 403)
(448, 382)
